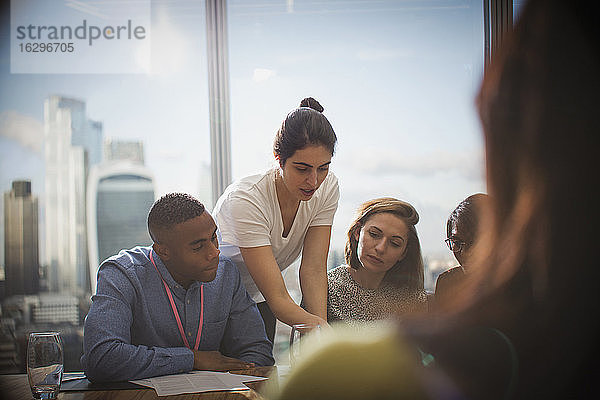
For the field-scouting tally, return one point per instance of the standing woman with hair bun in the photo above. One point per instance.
(265, 221)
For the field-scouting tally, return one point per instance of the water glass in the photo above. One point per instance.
(297, 336)
(44, 364)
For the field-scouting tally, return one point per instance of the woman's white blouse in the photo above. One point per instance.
(248, 215)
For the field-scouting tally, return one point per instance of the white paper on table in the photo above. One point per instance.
(144, 382)
(71, 376)
(243, 378)
(196, 382)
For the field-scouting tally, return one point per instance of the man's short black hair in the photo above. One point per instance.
(172, 209)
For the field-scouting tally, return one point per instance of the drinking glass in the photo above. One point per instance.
(44, 364)
(297, 336)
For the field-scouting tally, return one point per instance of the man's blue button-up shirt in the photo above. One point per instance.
(130, 331)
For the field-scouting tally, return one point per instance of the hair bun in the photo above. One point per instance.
(311, 103)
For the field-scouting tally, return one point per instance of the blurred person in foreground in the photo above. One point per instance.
(174, 306)
(527, 327)
(383, 275)
(462, 234)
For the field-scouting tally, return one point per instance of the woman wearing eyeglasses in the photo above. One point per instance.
(463, 231)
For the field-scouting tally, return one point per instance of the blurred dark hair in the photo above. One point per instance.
(466, 217)
(302, 127)
(538, 277)
(170, 210)
(538, 105)
(407, 272)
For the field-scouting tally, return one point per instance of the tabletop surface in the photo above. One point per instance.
(17, 387)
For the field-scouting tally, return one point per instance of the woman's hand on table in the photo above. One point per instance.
(316, 320)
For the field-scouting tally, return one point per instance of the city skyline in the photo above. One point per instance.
(397, 83)
(119, 195)
(21, 243)
(71, 142)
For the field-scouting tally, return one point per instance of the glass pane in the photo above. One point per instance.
(131, 136)
(517, 7)
(397, 80)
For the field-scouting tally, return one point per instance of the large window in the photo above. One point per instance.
(55, 128)
(397, 80)
(164, 110)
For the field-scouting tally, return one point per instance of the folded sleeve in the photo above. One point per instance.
(108, 352)
(244, 222)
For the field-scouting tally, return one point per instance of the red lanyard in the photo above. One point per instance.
(174, 309)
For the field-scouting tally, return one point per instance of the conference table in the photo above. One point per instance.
(17, 387)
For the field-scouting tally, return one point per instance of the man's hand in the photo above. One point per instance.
(215, 361)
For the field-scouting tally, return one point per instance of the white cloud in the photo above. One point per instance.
(380, 54)
(25, 130)
(168, 49)
(263, 74)
(468, 164)
(86, 8)
(171, 154)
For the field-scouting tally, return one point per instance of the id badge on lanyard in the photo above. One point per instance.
(176, 314)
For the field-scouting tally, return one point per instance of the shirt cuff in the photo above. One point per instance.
(182, 359)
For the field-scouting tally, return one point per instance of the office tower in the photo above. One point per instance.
(124, 150)
(70, 139)
(91, 141)
(9, 352)
(43, 309)
(53, 308)
(2, 283)
(21, 240)
(119, 196)
(84, 132)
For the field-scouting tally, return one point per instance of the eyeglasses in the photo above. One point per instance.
(456, 245)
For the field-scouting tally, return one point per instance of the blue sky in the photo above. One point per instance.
(397, 80)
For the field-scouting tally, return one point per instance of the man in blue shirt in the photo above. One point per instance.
(174, 306)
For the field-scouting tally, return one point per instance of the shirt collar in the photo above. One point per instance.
(166, 275)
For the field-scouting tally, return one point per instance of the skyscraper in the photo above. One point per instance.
(119, 196)
(21, 240)
(91, 141)
(70, 139)
(132, 150)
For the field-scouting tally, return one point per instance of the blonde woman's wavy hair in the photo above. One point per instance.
(409, 270)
